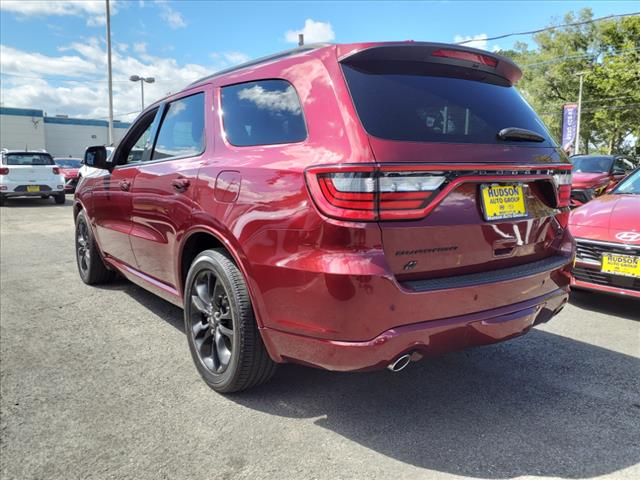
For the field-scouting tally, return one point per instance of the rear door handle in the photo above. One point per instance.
(180, 184)
(124, 185)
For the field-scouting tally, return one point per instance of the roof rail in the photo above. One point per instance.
(258, 61)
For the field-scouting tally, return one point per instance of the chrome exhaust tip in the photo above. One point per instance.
(400, 363)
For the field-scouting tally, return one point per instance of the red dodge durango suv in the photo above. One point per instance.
(348, 207)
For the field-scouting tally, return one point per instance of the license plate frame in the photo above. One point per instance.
(33, 188)
(619, 264)
(512, 209)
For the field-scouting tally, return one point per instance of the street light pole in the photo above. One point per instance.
(577, 149)
(109, 74)
(142, 80)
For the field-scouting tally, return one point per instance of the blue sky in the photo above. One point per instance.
(53, 51)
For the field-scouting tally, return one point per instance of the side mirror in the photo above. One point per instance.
(618, 171)
(96, 157)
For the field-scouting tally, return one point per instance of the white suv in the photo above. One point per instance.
(30, 174)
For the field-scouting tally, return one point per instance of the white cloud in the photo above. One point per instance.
(171, 16)
(475, 41)
(92, 10)
(286, 100)
(314, 32)
(140, 47)
(34, 80)
(224, 59)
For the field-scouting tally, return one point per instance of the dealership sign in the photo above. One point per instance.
(569, 123)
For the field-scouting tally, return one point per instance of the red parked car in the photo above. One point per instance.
(594, 175)
(69, 167)
(348, 207)
(607, 231)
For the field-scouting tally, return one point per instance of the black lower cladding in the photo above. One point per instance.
(499, 275)
(23, 188)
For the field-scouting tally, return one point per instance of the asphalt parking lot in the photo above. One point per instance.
(98, 383)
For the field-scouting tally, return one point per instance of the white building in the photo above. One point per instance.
(22, 128)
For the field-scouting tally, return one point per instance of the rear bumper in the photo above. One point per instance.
(16, 189)
(30, 194)
(420, 339)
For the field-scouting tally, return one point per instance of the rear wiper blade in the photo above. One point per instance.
(514, 133)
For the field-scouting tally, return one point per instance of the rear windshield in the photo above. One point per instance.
(400, 101)
(28, 159)
(590, 164)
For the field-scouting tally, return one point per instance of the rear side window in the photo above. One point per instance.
(32, 159)
(265, 112)
(181, 132)
(397, 101)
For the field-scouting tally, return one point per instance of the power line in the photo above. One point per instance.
(631, 106)
(531, 32)
(62, 79)
(580, 55)
(596, 100)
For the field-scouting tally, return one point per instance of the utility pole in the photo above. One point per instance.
(110, 80)
(577, 149)
(138, 78)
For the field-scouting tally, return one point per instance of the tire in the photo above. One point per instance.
(1, 200)
(59, 198)
(91, 268)
(221, 329)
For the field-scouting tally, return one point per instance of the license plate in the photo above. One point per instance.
(33, 188)
(625, 265)
(502, 201)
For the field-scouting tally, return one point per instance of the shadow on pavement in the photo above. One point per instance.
(165, 310)
(606, 303)
(541, 405)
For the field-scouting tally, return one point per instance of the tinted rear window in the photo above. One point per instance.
(28, 159)
(262, 113)
(396, 101)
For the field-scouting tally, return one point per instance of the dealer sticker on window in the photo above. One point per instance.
(502, 201)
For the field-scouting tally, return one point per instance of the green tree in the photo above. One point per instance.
(609, 54)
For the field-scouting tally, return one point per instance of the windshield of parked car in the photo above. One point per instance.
(417, 102)
(591, 164)
(68, 162)
(28, 159)
(630, 185)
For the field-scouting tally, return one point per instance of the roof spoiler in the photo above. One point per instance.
(446, 53)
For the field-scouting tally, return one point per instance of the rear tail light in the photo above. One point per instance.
(56, 170)
(403, 192)
(368, 194)
(563, 182)
(4, 171)
(468, 56)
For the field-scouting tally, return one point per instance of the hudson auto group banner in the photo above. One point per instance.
(569, 123)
